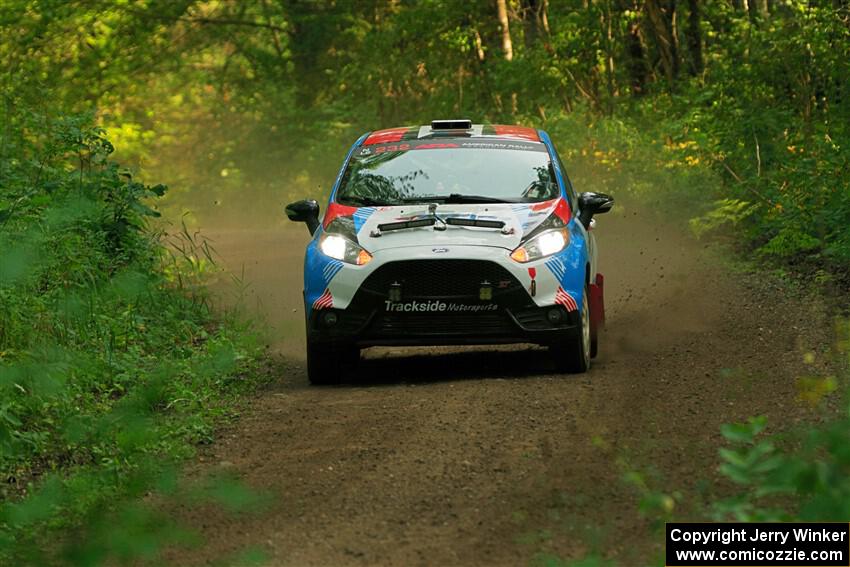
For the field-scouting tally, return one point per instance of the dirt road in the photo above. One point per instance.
(484, 456)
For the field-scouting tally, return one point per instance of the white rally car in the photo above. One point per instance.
(446, 234)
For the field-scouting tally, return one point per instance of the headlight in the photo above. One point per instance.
(542, 245)
(341, 248)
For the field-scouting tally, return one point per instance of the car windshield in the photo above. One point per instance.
(456, 170)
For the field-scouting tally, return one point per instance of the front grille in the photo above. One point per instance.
(441, 278)
(480, 324)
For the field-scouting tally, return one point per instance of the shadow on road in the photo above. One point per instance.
(438, 365)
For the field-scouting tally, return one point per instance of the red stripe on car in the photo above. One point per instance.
(325, 301)
(542, 205)
(337, 210)
(562, 210)
(386, 136)
(520, 132)
(565, 299)
(435, 146)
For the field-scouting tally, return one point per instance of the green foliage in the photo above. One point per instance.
(111, 365)
(790, 241)
(798, 476)
(725, 211)
(247, 103)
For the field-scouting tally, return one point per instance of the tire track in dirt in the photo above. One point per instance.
(483, 456)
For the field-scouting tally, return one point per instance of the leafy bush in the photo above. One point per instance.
(110, 367)
(801, 476)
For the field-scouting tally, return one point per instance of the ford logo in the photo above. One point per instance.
(439, 250)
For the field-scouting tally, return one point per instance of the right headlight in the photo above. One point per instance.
(544, 244)
(341, 248)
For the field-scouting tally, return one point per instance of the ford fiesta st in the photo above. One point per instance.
(451, 233)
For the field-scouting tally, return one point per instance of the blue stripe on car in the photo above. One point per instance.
(360, 217)
(547, 141)
(557, 267)
(345, 165)
(330, 270)
(315, 262)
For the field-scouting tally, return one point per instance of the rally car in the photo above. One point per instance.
(451, 234)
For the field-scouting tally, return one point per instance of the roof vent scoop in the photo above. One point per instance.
(462, 124)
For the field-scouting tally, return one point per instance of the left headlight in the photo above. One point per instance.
(340, 248)
(544, 244)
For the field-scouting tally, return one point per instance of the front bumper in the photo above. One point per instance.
(374, 327)
(329, 281)
(441, 302)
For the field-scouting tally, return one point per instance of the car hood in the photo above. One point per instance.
(519, 219)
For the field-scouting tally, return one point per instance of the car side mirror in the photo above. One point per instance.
(590, 204)
(306, 211)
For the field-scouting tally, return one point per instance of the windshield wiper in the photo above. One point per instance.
(416, 223)
(401, 225)
(367, 201)
(457, 198)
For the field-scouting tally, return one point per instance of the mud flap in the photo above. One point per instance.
(596, 301)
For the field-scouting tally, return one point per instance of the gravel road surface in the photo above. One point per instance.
(485, 456)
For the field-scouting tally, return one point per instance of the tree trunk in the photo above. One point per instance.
(672, 21)
(752, 5)
(606, 17)
(544, 16)
(664, 40)
(694, 38)
(479, 46)
(507, 45)
(636, 62)
(534, 14)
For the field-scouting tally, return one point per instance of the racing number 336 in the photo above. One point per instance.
(451, 233)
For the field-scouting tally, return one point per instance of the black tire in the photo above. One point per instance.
(572, 355)
(327, 364)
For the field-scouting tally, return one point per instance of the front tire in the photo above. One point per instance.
(327, 363)
(572, 354)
